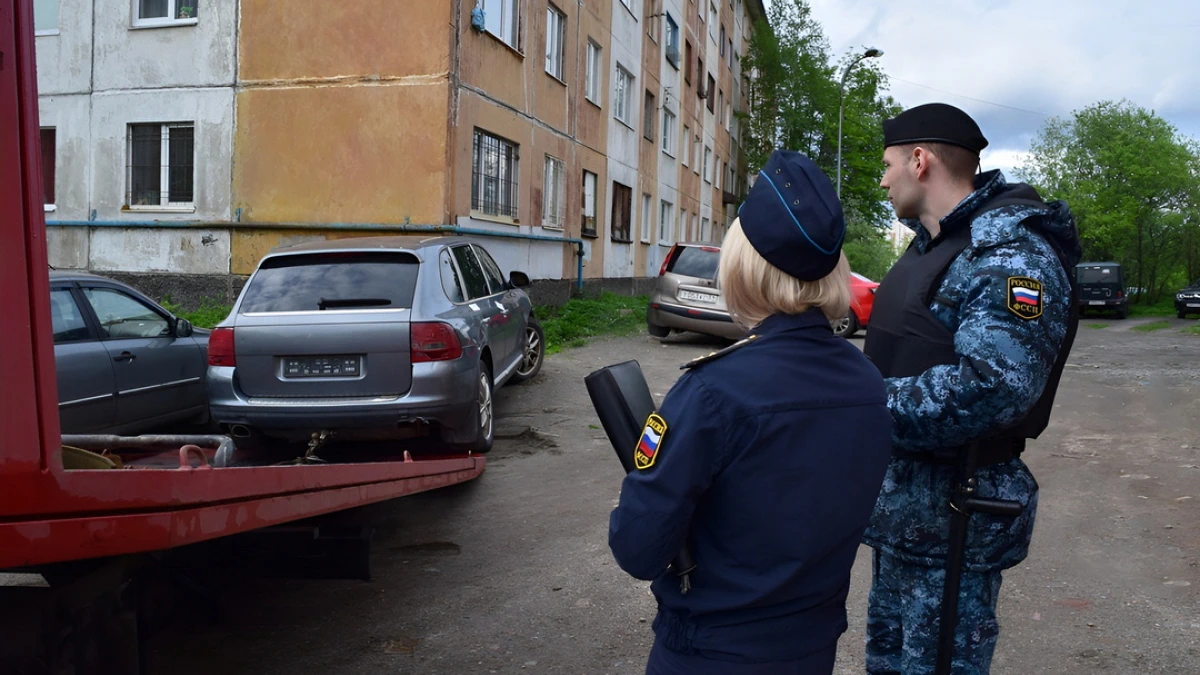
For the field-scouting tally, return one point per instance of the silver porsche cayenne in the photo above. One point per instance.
(373, 338)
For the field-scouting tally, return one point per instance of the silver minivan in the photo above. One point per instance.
(373, 338)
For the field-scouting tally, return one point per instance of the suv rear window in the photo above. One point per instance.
(349, 280)
(1099, 275)
(695, 261)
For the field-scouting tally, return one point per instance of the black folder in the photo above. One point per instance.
(622, 400)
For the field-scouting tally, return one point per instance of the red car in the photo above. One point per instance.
(862, 300)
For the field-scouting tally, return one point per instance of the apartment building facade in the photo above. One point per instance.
(183, 139)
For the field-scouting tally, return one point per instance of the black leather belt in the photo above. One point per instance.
(987, 452)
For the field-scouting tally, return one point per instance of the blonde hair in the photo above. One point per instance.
(755, 289)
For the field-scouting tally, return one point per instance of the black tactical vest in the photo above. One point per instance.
(905, 339)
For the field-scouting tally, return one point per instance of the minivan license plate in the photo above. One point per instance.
(1096, 302)
(707, 298)
(321, 366)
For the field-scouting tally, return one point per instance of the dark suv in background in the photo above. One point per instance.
(1187, 300)
(1102, 287)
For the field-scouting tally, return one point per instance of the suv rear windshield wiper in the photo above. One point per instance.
(327, 303)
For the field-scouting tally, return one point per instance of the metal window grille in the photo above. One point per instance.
(494, 176)
(160, 170)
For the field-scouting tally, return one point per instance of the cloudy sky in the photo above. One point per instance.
(1013, 63)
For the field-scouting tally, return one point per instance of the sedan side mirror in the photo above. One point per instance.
(183, 328)
(518, 279)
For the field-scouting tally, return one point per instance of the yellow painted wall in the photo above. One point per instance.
(335, 154)
(339, 38)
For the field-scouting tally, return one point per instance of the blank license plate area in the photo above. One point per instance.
(1097, 302)
(1193, 304)
(321, 366)
(693, 296)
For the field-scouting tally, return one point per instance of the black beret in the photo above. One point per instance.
(934, 123)
(792, 217)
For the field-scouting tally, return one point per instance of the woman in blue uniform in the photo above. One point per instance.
(765, 458)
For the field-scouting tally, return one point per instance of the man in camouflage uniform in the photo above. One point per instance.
(968, 329)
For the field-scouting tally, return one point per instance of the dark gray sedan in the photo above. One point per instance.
(124, 364)
(375, 338)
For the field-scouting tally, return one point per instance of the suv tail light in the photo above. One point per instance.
(220, 348)
(433, 342)
(667, 260)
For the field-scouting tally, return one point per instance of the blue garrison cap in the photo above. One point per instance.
(793, 217)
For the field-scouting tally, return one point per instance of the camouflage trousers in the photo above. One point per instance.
(904, 612)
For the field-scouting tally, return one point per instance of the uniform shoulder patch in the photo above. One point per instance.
(718, 354)
(651, 442)
(1025, 297)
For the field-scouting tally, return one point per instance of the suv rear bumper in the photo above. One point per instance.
(443, 393)
(707, 321)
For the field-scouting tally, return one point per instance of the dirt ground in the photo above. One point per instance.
(512, 574)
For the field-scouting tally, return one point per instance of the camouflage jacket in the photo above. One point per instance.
(1004, 364)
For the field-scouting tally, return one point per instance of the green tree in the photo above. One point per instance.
(793, 88)
(1130, 179)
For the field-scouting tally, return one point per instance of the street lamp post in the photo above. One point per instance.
(870, 53)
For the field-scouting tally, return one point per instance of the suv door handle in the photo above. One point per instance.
(125, 356)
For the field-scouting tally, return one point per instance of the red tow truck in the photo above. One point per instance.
(91, 532)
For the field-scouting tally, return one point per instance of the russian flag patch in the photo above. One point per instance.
(1025, 297)
(650, 443)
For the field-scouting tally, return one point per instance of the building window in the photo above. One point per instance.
(704, 229)
(695, 226)
(687, 146)
(45, 17)
(48, 141)
(648, 117)
(495, 167)
(668, 132)
(721, 43)
(554, 186)
(622, 103)
(712, 84)
(594, 64)
(164, 12)
(729, 52)
(687, 56)
(707, 164)
(588, 227)
(622, 204)
(684, 234)
(665, 211)
(502, 18)
(720, 107)
(646, 224)
(712, 20)
(728, 117)
(556, 31)
(696, 154)
(672, 42)
(160, 170)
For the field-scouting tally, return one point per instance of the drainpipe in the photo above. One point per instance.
(381, 227)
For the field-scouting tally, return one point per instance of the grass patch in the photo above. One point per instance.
(572, 324)
(1097, 325)
(1164, 307)
(1191, 330)
(1152, 326)
(210, 313)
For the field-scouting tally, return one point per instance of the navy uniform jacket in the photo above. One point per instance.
(769, 466)
(1004, 364)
